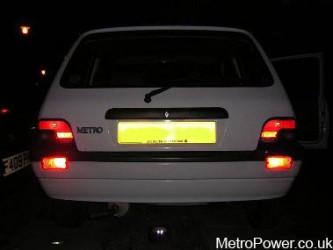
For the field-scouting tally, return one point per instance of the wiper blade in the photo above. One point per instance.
(149, 95)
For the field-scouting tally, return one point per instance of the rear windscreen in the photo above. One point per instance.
(158, 59)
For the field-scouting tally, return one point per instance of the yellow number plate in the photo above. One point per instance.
(166, 132)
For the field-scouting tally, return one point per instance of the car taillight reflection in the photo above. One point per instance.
(4, 111)
(54, 163)
(279, 162)
(61, 128)
(272, 128)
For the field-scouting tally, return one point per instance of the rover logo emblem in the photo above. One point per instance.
(166, 114)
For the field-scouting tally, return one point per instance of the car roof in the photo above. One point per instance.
(164, 27)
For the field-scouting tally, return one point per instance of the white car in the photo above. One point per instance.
(166, 114)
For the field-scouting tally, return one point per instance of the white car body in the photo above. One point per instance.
(178, 180)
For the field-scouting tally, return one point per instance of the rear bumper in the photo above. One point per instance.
(166, 191)
(182, 182)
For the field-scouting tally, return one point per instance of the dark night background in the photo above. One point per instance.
(283, 28)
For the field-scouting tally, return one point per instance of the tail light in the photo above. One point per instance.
(54, 163)
(271, 129)
(4, 111)
(61, 128)
(279, 162)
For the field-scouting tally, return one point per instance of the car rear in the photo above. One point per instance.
(166, 115)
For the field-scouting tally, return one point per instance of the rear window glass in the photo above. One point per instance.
(159, 59)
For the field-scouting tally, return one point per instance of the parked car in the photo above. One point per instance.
(168, 114)
(14, 133)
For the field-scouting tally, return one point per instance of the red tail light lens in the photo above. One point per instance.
(62, 129)
(279, 162)
(54, 163)
(272, 127)
(4, 111)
